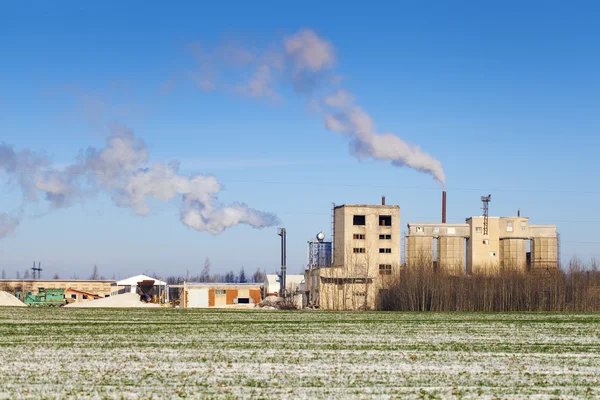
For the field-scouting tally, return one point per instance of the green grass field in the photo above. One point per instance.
(169, 353)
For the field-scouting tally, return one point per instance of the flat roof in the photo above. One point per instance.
(437, 224)
(368, 206)
(189, 284)
(510, 216)
(59, 280)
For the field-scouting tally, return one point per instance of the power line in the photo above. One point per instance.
(457, 189)
(435, 218)
(433, 188)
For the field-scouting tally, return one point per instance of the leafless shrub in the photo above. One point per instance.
(420, 288)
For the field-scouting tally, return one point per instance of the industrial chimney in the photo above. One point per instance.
(282, 280)
(444, 207)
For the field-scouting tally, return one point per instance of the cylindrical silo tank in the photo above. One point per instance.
(451, 254)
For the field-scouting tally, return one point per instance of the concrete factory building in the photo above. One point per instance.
(482, 245)
(80, 288)
(366, 253)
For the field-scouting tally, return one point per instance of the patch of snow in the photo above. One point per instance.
(126, 300)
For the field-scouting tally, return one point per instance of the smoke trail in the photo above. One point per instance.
(311, 54)
(121, 169)
(357, 125)
(307, 61)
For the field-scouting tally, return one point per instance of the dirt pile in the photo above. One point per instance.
(126, 300)
(8, 300)
(272, 303)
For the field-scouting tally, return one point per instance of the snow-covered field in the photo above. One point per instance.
(168, 353)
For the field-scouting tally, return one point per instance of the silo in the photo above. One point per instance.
(451, 254)
(514, 234)
(544, 253)
(319, 252)
(419, 251)
(513, 254)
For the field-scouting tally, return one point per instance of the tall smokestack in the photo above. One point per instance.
(282, 285)
(383, 200)
(444, 207)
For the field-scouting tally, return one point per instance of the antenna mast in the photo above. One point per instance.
(486, 201)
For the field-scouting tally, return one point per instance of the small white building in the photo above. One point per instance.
(130, 285)
(294, 284)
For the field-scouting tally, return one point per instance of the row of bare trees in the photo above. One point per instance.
(421, 288)
(27, 275)
(207, 276)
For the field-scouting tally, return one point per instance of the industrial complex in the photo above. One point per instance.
(366, 254)
(348, 272)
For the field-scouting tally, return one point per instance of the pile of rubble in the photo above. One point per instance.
(275, 303)
(270, 303)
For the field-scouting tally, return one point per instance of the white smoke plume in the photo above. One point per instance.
(121, 169)
(307, 61)
(353, 122)
(311, 53)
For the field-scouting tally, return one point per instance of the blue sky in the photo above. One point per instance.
(505, 96)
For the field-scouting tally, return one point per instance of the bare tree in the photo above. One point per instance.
(230, 277)
(242, 276)
(95, 276)
(424, 289)
(56, 276)
(258, 276)
(205, 276)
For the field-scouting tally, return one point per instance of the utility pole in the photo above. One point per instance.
(38, 269)
(282, 289)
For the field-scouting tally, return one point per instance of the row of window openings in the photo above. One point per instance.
(85, 297)
(384, 220)
(381, 250)
(362, 236)
(509, 227)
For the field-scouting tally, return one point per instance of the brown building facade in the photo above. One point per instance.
(101, 288)
(221, 295)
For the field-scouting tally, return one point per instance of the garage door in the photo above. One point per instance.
(198, 298)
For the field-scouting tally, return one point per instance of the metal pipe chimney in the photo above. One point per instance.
(282, 286)
(383, 200)
(444, 207)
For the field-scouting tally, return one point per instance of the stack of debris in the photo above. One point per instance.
(276, 303)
